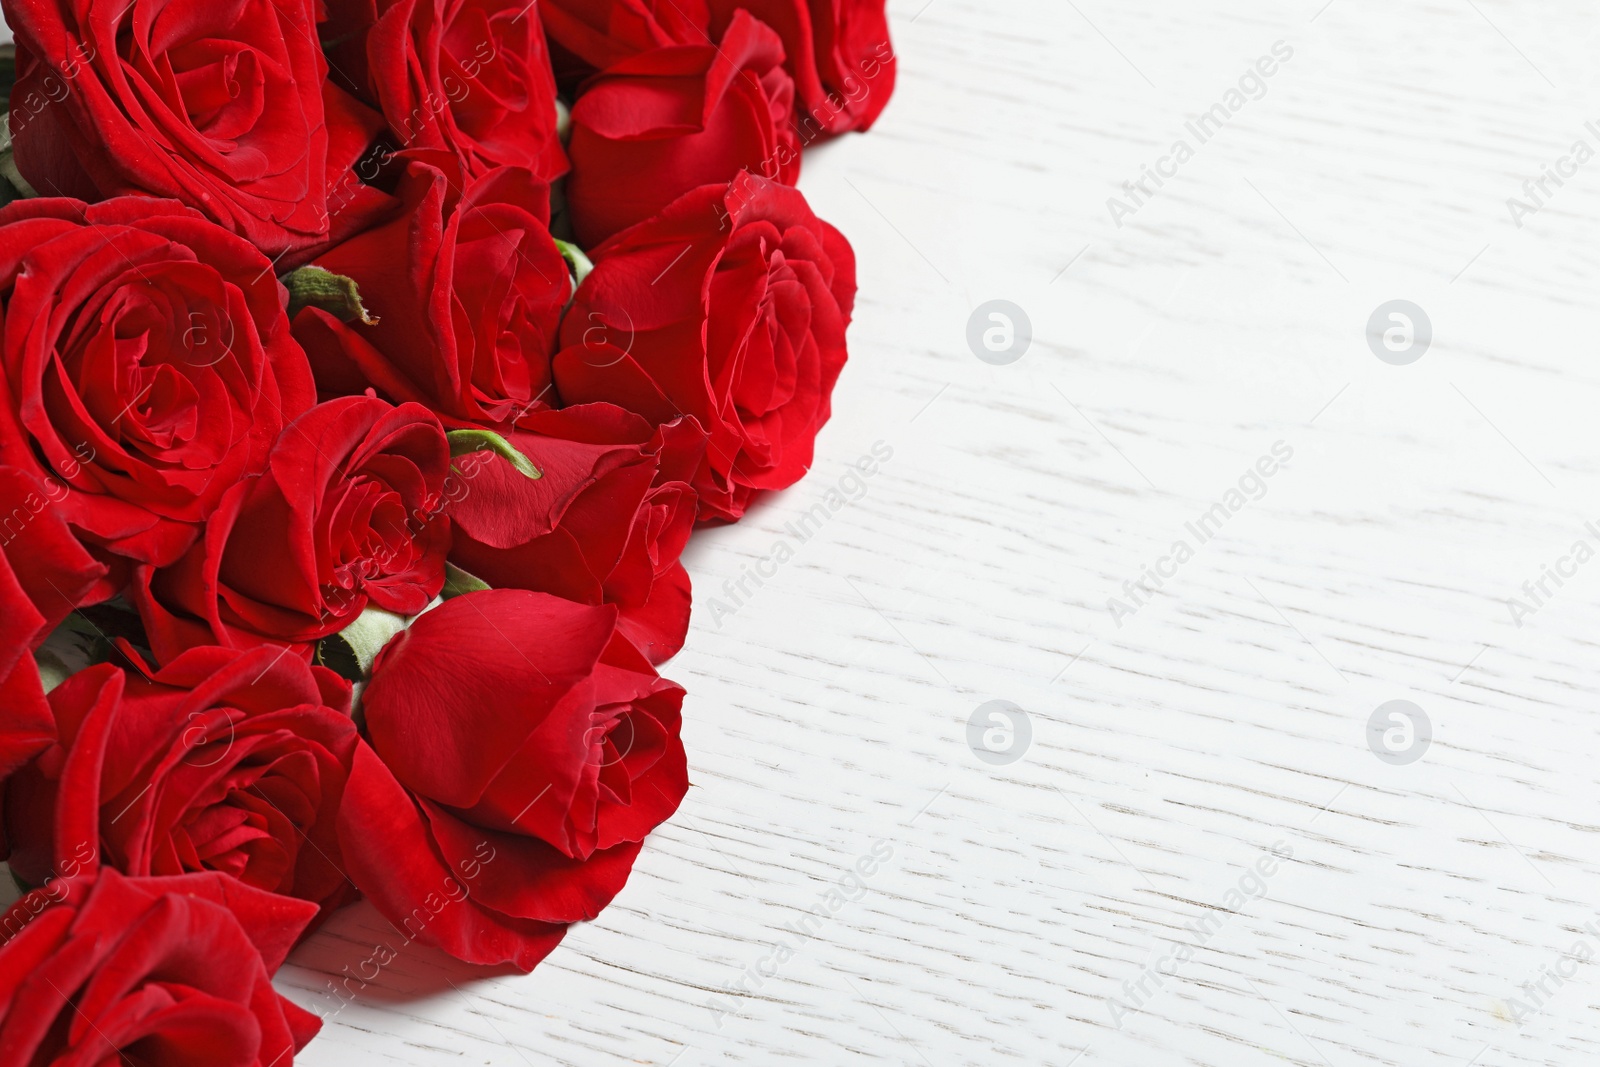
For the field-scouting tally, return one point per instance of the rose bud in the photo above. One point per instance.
(661, 123)
(604, 525)
(148, 367)
(471, 78)
(223, 761)
(466, 290)
(221, 106)
(347, 513)
(109, 969)
(520, 750)
(731, 307)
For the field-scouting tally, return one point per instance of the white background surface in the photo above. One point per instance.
(828, 713)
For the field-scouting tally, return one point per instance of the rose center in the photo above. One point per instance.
(367, 536)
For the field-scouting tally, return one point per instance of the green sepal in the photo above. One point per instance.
(576, 260)
(351, 652)
(465, 441)
(458, 582)
(334, 293)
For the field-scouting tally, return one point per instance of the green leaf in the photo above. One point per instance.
(465, 441)
(334, 293)
(458, 581)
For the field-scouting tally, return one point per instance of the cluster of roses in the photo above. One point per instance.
(365, 366)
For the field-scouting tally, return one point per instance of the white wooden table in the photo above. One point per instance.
(1037, 911)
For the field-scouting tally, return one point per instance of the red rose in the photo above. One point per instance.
(520, 751)
(44, 574)
(730, 306)
(150, 970)
(470, 77)
(468, 291)
(592, 35)
(661, 123)
(148, 367)
(220, 106)
(605, 524)
(347, 513)
(223, 761)
(838, 53)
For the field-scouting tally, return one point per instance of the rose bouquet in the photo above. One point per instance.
(365, 367)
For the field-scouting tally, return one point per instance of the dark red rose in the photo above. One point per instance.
(116, 970)
(468, 291)
(148, 366)
(223, 761)
(520, 750)
(347, 513)
(838, 53)
(604, 525)
(220, 106)
(661, 123)
(591, 35)
(44, 574)
(730, 306)
(471, 77)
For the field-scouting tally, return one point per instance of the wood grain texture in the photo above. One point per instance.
(1020, 906)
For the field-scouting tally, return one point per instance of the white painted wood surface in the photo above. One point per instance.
(827, 714)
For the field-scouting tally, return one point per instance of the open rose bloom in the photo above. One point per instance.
(175, 970)
(366, 368)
